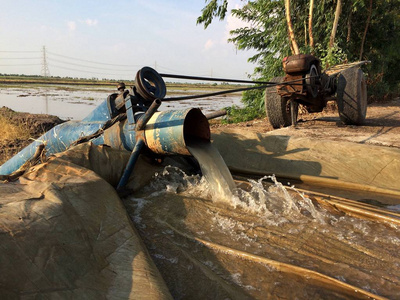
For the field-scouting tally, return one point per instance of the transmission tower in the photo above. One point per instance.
(45, 67)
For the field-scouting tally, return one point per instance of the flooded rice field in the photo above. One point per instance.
(76, 102)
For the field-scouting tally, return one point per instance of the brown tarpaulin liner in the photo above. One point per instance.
(246, 257)
(66, 234)
(310, 159)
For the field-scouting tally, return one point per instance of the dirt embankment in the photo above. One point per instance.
(32, 125)
(382, 127)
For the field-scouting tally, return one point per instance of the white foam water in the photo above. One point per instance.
(274, 205)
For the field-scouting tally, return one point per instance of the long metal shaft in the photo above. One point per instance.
(131, 164)
(141, 123)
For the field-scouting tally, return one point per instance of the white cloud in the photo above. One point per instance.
(208, 44)
(91, 22)
(71, 25)
(233, 23)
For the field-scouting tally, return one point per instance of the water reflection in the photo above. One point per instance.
(46, 99)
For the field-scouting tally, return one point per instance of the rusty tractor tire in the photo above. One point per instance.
(352, 96)
(277, 107)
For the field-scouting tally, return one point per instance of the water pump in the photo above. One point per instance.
(128, 120)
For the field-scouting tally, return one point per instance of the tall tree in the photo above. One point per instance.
(310, 24)
(295, 47)
(366, 29)
(214, 8)
(335, 23)
(340, 30)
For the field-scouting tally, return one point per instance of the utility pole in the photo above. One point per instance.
(45, 67)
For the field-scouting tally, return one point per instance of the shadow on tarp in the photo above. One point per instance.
(271, 154)
(66, 234)
(274, 153)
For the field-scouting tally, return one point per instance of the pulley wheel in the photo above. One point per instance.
(311, 81)
(149, 84)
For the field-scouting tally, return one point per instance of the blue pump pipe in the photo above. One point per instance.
(162, 132)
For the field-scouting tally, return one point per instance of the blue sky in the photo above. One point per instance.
(128, 34)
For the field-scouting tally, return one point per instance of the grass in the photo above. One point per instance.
(10, 131)
(13, 137)
(238, 115)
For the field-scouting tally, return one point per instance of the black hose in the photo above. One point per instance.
(213, 79)
(214, 94)
(292, 82)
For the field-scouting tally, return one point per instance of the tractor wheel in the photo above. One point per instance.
(277, 107)
(352, 96)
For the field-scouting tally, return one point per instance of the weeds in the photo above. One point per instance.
(237, 115)
(254, 109)
(10, 131)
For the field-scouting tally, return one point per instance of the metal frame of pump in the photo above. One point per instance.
(311, 88)
(149, 86)
(305, 83)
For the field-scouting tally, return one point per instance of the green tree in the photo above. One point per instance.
(341, 30)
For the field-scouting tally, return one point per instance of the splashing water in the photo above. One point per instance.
(274, 205)
(258, 200)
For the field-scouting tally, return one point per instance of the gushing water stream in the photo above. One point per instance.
(213, 168)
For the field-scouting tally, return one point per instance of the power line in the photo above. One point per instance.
(168, 69)
(99, 63)
(90, 61)
(85, 66)
(51, 57)
(19, 51)
(84, 71)
(5, 58)
(16, 65)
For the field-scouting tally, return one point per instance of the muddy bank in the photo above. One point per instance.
(382, 126)
(34, 124)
